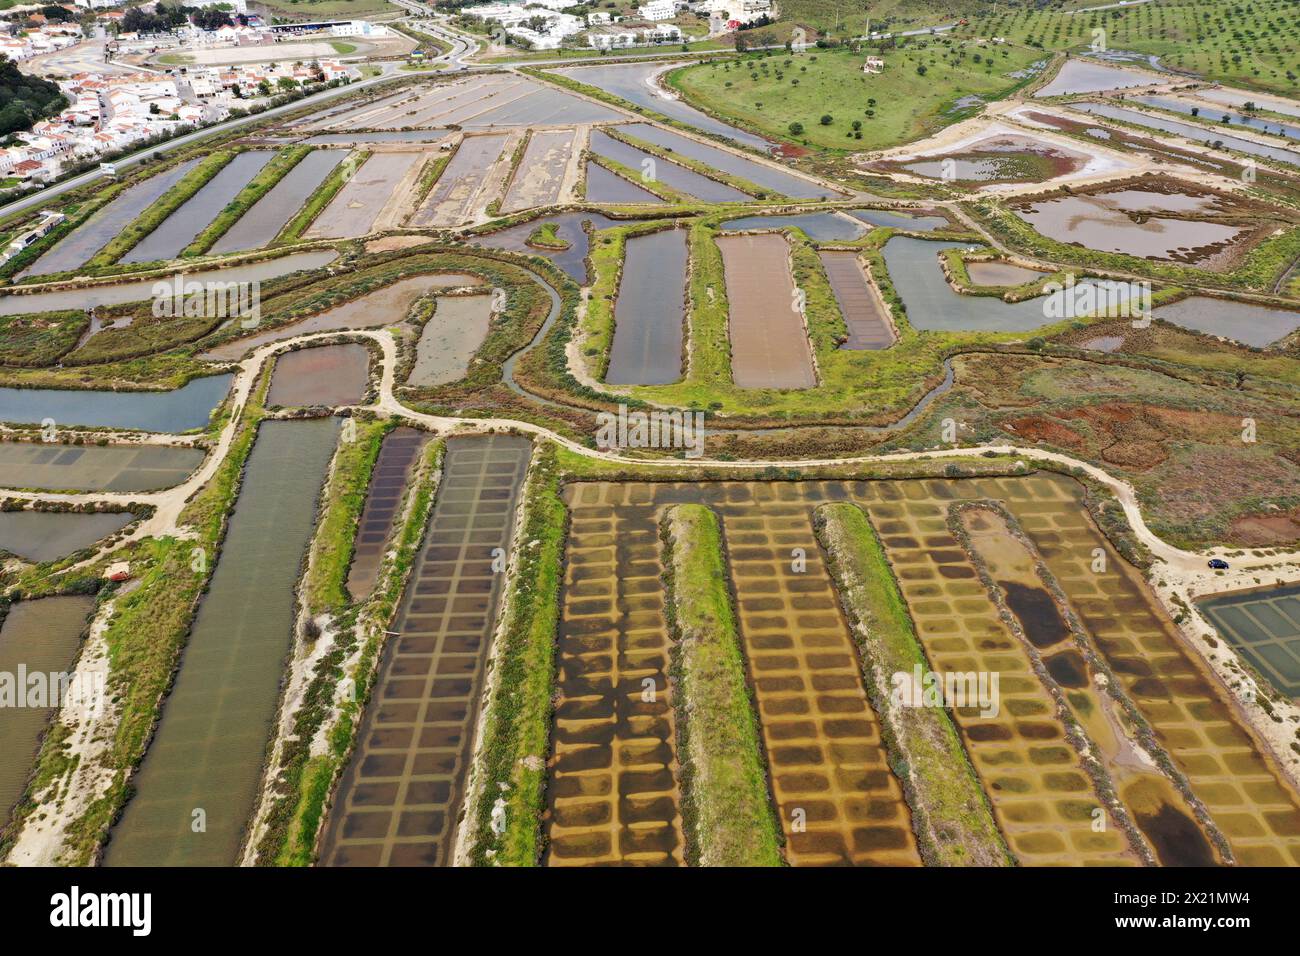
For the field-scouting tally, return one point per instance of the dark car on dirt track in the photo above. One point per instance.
(1218, 564)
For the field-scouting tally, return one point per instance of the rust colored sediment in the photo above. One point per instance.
(399, 797)
(769, 343)
(612, 796)
(838, 801)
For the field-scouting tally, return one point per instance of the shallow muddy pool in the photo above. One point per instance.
(386, 306)
(1190, 131)
(635, 83)
(39, 637)
(325, 375)
(50, 535)
(1001, 273)
(569, 228)
(605, 186)
(760, 174)
(400, 450)
(1255, 325)
(448, 341)
(93, 296)
(178, 410)
(1264, 628)
(888, 219)
(661, 170)
(1083, 76)
(1100, 223)
(819, 226)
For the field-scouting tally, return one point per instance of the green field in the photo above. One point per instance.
(769, 91)
(1254, 44)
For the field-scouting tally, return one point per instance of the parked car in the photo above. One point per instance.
(1218, 564)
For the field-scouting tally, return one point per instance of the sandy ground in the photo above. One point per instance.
(394, 45)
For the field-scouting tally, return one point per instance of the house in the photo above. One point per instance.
(656, 10)
(874, 64)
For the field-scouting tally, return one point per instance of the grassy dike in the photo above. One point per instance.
(511, 763)
(164, 206)
(726, 808)
(953, 821)
(305, 780)
(259, 186)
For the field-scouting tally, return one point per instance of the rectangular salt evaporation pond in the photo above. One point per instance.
(41, 637)
(539, 105)
(211, 741)
(386, 306)
(1274, 104)
(269, 214)
(635, 83)
(58, 467)
(757, 173)
(1254, 325)
(383, 136)
(454, 195)
(604, 186)
(398, 453)
(352, 212)
(1264, 628)
(1083, 76)
(400, 798)
(864, 315)
(540, 176)
(819, 226)
(648, 311)
(886, 219)
(450, 338)
(178, 410)
(326, 375)
(1198, 134)
(180, 228)
(49, 535)
(933, 305)
(769, 343)
(120, 293)
(82, 243)
(661, 170)
(1211, 114)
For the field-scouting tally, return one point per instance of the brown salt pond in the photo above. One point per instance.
(38, 637)
(540, 175)
(50, 535)
(1001, 273)
(450, 338)
(387, 306)
(456, 193)
(1244, 792)
(769, 342)
(400, 797)
(398, 453)
(864, 314)
(1162, 816)
(324, 375)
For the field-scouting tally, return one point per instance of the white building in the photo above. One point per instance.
(657, 10)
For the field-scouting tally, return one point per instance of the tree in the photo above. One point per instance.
(741, 44)
(920, 70)
(827, 119)
(287, 83)
(25, 99)
(796, 129)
